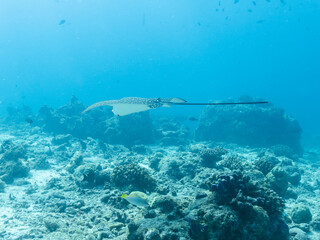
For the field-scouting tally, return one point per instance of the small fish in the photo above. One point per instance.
(136, 198)
(63, 21)
(193, 119)
(28, 120)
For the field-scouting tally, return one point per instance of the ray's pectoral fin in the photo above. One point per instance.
(166, 105)
(126, 109)
(98, 104)
(177, 100)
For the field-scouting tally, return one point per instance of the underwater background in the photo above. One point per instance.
(247, 172)
(200, 51)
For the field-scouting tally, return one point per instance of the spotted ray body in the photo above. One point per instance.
(129, 105)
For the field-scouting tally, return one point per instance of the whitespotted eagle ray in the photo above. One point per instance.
(129, 105)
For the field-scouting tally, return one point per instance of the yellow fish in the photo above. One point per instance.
(136, 198)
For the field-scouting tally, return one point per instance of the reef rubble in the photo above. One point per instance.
(59, 183)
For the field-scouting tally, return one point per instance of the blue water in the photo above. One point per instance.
(197, 50)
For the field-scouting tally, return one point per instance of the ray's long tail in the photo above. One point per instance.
(237, 103)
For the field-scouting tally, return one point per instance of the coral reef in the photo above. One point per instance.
(129, 130)
(301, 214)
(174, 171)
(132, 177)
(165, 203)
(12, 162)
(155, 160)
(140, 149)
(233, 162)
(101, 124)
(2, 186)
(41, 163)
(298, 234)
(51, 224)
(157, 228)
(293, 172)
(316, 224)
(75, 161)
(266, 163)
(89, 176)
(207, 221)
(253, 125)
(19, 115)
(171, 132)
(178, 169)
(209, 157)
(195, 191)
(62, 139)
(283, 150)
(250, 204)
(277, 180)
(227, 186)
